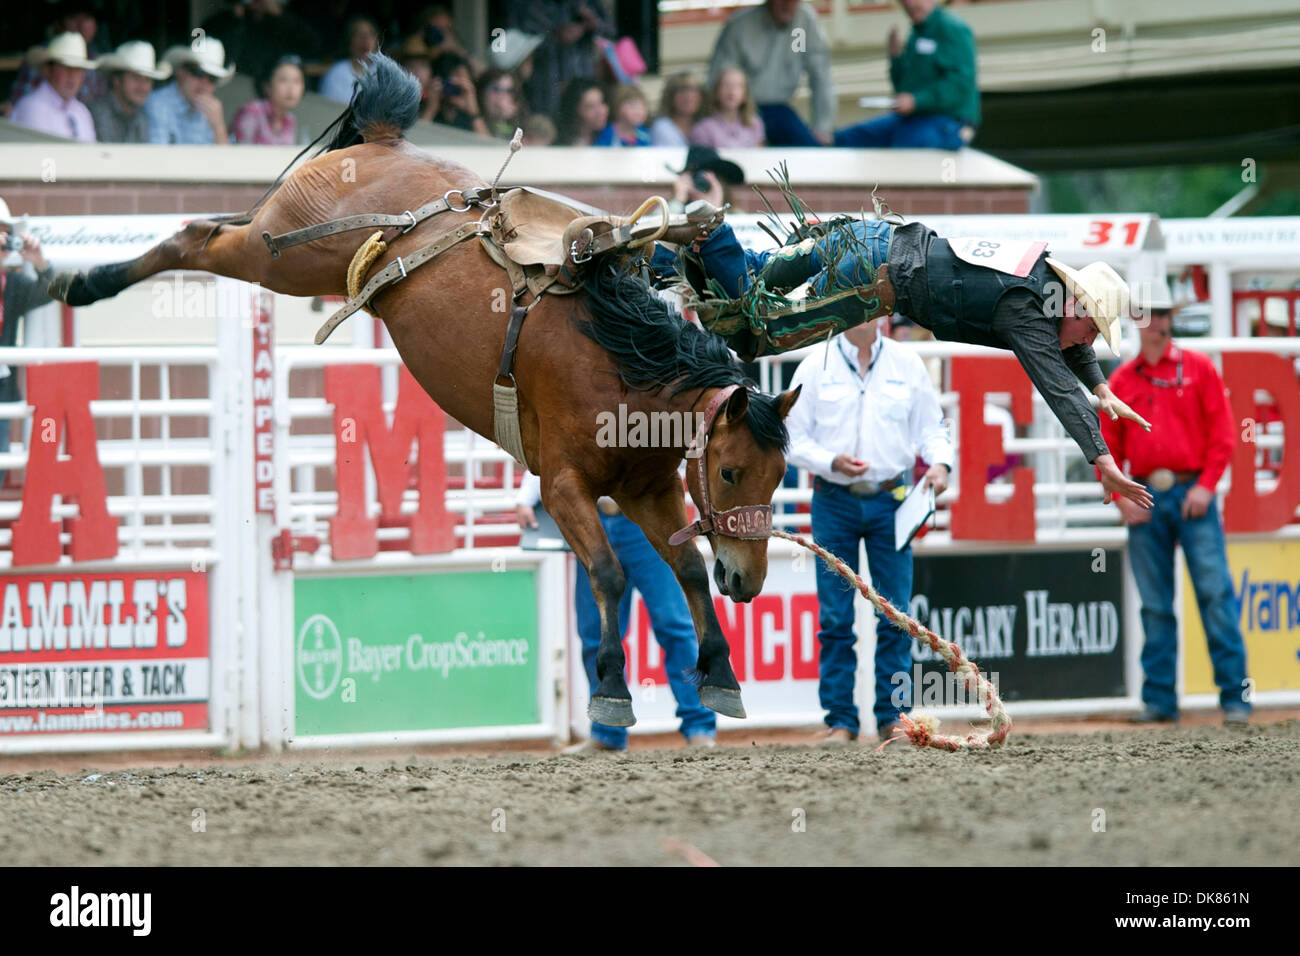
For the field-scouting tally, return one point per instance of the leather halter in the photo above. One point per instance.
(751, 522)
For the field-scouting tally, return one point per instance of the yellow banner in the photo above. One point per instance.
(1266, 581)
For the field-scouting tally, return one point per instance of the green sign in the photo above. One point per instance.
(415, 652)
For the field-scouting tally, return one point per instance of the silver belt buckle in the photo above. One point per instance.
(865, 488)
(1162, 479)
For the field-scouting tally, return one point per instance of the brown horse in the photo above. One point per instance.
(613, 342)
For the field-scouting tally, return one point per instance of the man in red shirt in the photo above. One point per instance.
(1180, 460)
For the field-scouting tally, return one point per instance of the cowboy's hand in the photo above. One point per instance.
(848, 465)
(1197, 501)
(937, 478)
(1131, 513)
(32, 252)
(1115, 484)
(1110, 405)
(526, 516)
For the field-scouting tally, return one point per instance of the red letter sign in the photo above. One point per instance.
(973, 515)
(61, 395)
(354, 391)
(1243, 373)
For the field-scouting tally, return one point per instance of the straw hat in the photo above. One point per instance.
(1103, 292)
(511, 48)
(136, 56)
(68, 49)
(209, 58)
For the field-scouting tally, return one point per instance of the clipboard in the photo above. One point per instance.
(545, 537)
(912, 514)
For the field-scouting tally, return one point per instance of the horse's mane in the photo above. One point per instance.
(654, 347)
(386, 102)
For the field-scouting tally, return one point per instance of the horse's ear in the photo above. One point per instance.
(736, 405)
(785, 401)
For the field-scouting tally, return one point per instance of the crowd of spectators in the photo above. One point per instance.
(557, 69)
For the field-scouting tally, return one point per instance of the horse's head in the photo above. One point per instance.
(744, 440)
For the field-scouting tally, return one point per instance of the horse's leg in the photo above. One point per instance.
(232, 251)
(573, 506)
(659, 513)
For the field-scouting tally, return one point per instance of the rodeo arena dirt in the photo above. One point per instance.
(418, 497)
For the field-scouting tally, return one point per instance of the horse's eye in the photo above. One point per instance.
(728, 476)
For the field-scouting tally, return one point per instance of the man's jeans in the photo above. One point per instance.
(669, 616)
(839, 520)
(1151, 554)
(782, 126)
(925, 131)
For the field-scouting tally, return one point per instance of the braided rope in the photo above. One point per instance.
(923, 728)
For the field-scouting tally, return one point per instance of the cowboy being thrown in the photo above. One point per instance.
(1009, 295)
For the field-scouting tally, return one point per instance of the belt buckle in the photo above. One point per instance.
(865, 489)
(1162, 479)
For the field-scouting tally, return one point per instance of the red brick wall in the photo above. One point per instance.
(108, 199)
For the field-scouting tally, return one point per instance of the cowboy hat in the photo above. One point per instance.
(706, 158)
(207, 55)
(5, 218)
(68, 49)
(511, 48)
(136, 56)
(1103, 292)
(1152, 295)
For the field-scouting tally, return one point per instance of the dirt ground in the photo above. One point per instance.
(1099, 795)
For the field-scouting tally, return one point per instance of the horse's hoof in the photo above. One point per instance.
(70, 287)
(723, 700)
(611, 711)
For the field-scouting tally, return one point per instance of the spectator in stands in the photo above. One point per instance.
(680, 106)
(567, 52)
(499, 94)
(937, 102)
(627, 128)
(70, 19)
(119, 114)
(1180, 462)
(707, 176)
(539, 131)
(460, 106)
(512, 51)
(763, 42)
(270, 120)
(669, 616)
(583, 113)
(732, 122)
(436, 27)
(258, 32)
(414, 57)
(53, 106)
(867, 410)
(341, 79)
(19, 294)
(186, 111)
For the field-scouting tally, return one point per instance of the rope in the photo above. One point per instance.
(923, 729)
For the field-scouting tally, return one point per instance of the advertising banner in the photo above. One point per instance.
(1040, 625)
(1266, 583)
(415, 652)
(104, 652)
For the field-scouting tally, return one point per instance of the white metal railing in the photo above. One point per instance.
(157, 523)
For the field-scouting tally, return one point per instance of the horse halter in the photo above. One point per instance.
(750, 522)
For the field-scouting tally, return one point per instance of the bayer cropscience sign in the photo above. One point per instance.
(431, 651)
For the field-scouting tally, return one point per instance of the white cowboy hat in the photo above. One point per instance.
(1152, 295)
(1103, 292)
(511, 48)
(209, 58)
(68, 49)
(136, 56)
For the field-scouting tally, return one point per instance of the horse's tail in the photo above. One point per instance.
(385, 105)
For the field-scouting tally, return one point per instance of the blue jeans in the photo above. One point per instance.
(727, 261)
(669, 616)
(839, 521)
(784, 127)
(1151, 554)
(924, 131)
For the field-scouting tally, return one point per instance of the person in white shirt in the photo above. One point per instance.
(670, 618)
(868, 410)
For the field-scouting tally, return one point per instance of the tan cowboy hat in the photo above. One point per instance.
(135, 56)
(1103, 292)
(209, 58)
(69, 49)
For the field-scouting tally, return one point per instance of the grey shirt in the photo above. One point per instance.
(115, 125)
(775, 57)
